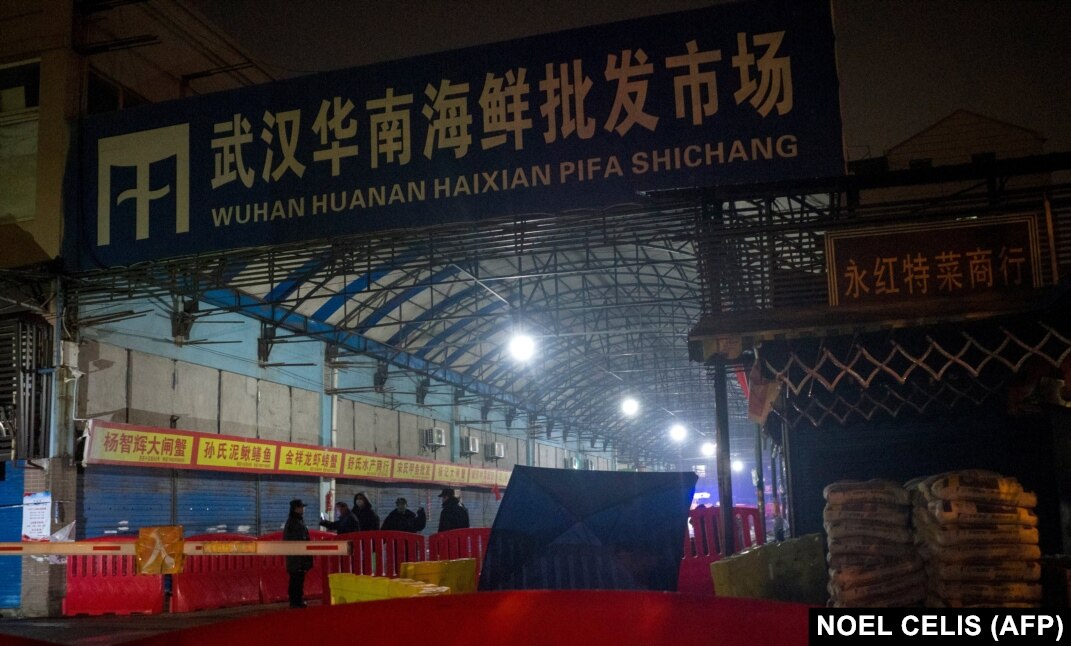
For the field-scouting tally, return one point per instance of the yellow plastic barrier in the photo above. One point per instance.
(792, 570)
(399, 588)
(353, 588)
(459, 574)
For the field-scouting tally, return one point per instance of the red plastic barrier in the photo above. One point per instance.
(747, 528)
(377, 553)
(461, 544)
(590, 617)
(274, 578)
(104, 585)
(694, 574)
(217, 580)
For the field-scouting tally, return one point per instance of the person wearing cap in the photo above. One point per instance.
(297, 566)
(454, 515)
(403, 520)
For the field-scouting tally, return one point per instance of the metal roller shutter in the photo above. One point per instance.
(490, 508)
(379, 494)
(117, 500)
(11, 489)
(473, 501)
(276, 492)
(211, 502)
(416, 496)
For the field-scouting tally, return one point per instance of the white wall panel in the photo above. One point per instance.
(545, 455)
(151, 390)
(273, 411)
(102, 392)
(411, 431)
(304, 416)
(385, 430)
(344, 423)
(196, 397)
(365, 418)
(238, 405)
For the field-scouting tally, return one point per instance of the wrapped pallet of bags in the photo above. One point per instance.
(977, 534)
(872, 558)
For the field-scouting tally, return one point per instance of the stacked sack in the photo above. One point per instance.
(977, 533)
(872, 559)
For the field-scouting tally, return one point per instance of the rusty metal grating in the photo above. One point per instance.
(921, 372)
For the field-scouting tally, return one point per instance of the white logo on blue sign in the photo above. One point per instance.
(140, 150)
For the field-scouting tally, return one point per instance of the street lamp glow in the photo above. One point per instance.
(708, 448)
(630, 406)
(738, 466)
(677, 433)
(522, 347)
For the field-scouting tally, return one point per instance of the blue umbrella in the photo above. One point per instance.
(566, 529)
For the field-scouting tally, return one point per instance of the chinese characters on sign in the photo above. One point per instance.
(581, 119)
(235, 454)
(450, 117)
(482, 476)
(297, 459)
(414, 470)
(126, 445)
(111, 443)
(36, 516)
(950, 260)
(451, 473)
(358, 465)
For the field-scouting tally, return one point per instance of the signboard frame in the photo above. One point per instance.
(900, 269)
(588, 118)
(97, 438)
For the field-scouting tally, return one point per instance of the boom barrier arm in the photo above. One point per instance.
(189, 548)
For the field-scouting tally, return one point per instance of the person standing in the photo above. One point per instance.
(366, 516)
(404, 520)
(454, 515)
(297, 566)
(345, 522)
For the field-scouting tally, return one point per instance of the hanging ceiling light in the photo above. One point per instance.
(708, 448)
(630, 406)
(522, 347)
(738, 466)
(678, 432)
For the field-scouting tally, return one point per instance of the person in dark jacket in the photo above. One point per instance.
(453, 515)
(297, 566)
(345, 522)
(403, 520)
(366, 516)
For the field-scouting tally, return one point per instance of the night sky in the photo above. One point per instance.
(903, 64)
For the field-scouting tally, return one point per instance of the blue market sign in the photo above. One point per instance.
(588, 118)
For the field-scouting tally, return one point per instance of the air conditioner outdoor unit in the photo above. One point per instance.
(495, 451)
(470, 445)
(572, 463)
(434, 437)
(588, 464)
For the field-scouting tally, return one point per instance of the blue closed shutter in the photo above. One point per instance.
(11, 490)
(473, 500)
(276, 492)
(117, 500)
(416, 496)
(208, 502)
